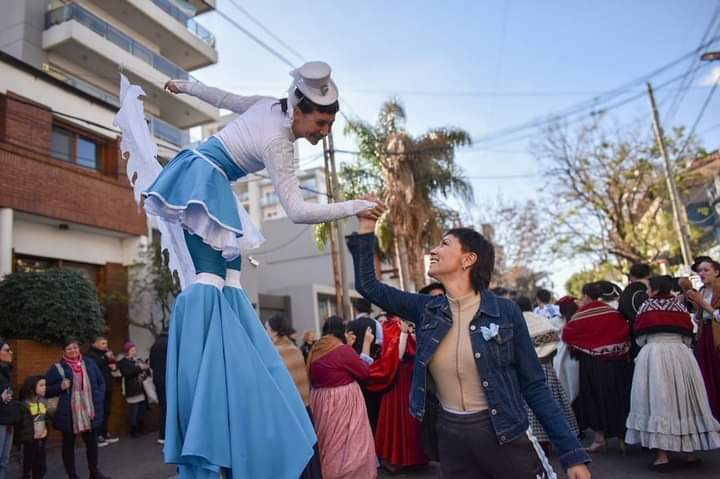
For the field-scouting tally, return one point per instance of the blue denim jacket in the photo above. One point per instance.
(509, 369)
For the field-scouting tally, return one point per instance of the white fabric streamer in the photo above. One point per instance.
(142, 169)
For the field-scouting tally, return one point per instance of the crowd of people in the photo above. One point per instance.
(74, 397)
(524, 378)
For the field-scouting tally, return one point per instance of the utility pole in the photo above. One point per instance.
(677, 207)
(333, 245)
(337, 196)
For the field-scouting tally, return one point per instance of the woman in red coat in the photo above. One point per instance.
(398, 439)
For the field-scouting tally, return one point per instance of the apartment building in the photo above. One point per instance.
(64, 197)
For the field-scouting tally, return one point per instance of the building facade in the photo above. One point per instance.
(64, 195)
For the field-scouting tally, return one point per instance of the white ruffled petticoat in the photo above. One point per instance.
(669, 409)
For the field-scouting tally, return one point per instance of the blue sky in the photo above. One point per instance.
(481, 66)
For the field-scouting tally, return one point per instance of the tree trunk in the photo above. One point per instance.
(419, 271)
(401, 256)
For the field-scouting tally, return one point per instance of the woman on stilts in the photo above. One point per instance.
(232, 407)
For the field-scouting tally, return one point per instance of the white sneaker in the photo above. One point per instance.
(161, 441)
(102, 442)
(110, 439)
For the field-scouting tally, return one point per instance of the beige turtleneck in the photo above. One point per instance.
(453, 366)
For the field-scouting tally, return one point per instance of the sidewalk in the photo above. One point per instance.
(142, 459)
(128, 459)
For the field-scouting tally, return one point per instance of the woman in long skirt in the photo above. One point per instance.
(344, 435)
(600, 337)
(707, 350)
(398, 439)
(669, 409)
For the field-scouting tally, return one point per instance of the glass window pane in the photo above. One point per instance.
(87, 152)
(61, 144)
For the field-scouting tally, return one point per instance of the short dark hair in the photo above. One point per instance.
(640, 270)
(363, 305)
(280, 325)
(524, 303)
(308, 106)
(429, 288)
(543, 295)
(473, 242)
(335, 326)
(592, 291)
(662, 284)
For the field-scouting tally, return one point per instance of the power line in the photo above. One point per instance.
(553, 118)
(697, 120)
(257, 40)
(267, 30)
(285, 244)
(690, 75)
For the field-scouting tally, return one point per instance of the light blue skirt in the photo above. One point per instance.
(195, 190)
(230, 404)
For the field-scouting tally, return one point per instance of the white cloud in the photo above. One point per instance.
(711, 78)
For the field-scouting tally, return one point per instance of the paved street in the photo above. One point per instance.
(141, 459)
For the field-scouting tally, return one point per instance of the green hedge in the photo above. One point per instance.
(49, 306)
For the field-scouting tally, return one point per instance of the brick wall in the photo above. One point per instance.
(34, 182)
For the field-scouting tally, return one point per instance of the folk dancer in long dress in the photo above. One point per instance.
(232, 407)
(669, 408)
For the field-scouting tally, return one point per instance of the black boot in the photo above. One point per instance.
(134, 432)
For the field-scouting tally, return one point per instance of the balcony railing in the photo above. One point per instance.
(73, 11)
(168, 132)
(158, 128)
(194, 27)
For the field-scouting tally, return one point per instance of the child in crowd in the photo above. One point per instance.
(33, 427)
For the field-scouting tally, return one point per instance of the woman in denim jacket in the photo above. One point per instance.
(474, 353)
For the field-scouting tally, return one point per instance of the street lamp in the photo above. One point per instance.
(710, 56)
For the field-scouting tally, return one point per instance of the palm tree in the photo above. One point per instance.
(414, 176)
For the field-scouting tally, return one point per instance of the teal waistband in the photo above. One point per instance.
(214, 151)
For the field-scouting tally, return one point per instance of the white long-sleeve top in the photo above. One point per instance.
(261, 137)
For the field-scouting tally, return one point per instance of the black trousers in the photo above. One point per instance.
(103, 429)
(34, 464)
(469, 449)
(136, 414)
(162, 398)
(91, 451)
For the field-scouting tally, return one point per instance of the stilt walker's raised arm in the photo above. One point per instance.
(280, 165)
(215, 96)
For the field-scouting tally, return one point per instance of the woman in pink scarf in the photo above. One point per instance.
(81, 390)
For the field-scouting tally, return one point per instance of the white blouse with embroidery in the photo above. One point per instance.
(261, 137)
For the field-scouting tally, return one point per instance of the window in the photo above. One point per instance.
(326, 306)
(27, 263)
(74, 147)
